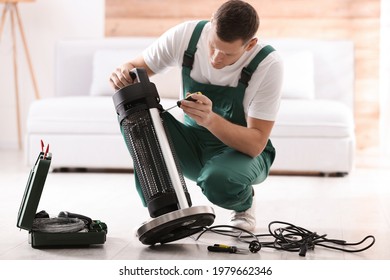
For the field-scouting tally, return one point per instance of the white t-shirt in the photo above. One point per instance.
(262, 96)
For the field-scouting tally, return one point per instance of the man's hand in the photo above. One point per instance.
(121, 76)
(249, 140)
(200, 109)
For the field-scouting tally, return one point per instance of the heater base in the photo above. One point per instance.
(176, 225)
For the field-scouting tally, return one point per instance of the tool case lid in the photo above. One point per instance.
(33, 191)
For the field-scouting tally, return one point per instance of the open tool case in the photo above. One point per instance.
(95, 234)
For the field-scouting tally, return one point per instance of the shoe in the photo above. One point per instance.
(245, 219)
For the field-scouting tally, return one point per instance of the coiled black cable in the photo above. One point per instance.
(58, 225)
(292, 238)
(298, 239)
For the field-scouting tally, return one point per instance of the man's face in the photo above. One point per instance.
(223, 53)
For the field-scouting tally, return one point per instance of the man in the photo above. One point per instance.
(224, 143)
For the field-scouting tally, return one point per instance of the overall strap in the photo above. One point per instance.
(188, 59)
(247, 72)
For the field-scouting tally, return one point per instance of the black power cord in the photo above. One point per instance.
(254, 245)
(297, 239)
(289, 237)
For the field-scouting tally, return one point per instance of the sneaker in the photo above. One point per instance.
(245, 219)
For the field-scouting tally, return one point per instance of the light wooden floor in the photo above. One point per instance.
(347, 208)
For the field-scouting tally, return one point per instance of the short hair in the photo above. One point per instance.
(236, 19)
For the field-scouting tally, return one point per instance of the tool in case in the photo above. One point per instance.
(68, 229)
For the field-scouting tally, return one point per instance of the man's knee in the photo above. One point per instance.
(214, 184)
(220, 188)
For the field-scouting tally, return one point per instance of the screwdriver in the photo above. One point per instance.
(225, 249)
(178, 103)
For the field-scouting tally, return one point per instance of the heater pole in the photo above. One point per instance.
(168, 158)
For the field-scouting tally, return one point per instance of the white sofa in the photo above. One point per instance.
(314, 131)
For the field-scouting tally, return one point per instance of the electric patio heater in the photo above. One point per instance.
(155, 163)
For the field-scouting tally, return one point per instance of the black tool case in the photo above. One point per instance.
(29, 206)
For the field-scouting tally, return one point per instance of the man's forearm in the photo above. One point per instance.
(250, 141)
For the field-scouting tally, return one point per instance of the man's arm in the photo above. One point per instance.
(250, 140)
(121, 76)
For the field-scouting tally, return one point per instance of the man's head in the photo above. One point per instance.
(236, 20)
(234, 26)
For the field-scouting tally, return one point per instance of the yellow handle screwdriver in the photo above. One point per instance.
(225, 249)
(178, 103)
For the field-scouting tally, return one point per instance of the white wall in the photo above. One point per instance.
(44, 22)
(385, 74)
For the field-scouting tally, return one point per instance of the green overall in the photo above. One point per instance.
(224, 175)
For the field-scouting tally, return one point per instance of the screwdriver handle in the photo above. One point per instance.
(230, 249)
(189, 98)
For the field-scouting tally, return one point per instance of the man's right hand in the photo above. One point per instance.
(121, 76)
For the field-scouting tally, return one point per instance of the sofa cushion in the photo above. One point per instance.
(298, 82)
(106, 61)
(78, 115)
(313, 118)
(298, 78)
(103, 64)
